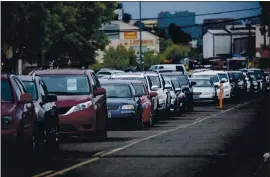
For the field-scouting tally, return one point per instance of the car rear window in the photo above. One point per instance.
(67, 84)
(139, 89)
(154, 80)
(6, 94)
(104, 73)
(31, 88)
(117, 90)
(182, 79)
(213, 77)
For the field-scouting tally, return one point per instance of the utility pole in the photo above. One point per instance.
(141, 36)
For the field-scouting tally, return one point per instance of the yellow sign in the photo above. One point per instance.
(130, 35)
(137, 43)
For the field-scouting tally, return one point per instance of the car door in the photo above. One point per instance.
(27, 113)
(101, 104)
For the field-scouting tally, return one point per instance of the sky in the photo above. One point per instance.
(151, 9)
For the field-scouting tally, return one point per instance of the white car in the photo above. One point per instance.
(173, 67)
(217, 77)
(204, 90)
(105, 74)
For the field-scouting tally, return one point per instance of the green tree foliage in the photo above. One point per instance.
(176, 52)
(178, 36)
(126, 17)
(57, 30)
(151, 58)
(164, 43)
(119, 57)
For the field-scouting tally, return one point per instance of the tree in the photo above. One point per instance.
(164, 43)
(118, 57)
(178, 36)
(126, 17)
(151, 58)
(175, 52)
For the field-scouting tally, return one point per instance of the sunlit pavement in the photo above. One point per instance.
(206, 142)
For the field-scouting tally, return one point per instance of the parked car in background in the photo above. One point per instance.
(174, 67)
(186, 86)
(18, 117)
(45, 108)
(260, 77)
(81, 107)
(107, 73)
(178, 101)
(148, 110)
(241, 87)
(204, 90)
(124, 104)
(200, 70)
(233, 83)
(157, 84)
(267, 78)
(144, 78)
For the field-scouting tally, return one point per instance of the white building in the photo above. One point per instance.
(129, 36)
(260, 40)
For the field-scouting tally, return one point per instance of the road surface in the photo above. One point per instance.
(205, 143)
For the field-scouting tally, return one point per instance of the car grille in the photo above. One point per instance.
(197, 93)
(113, 107)
(62, 110)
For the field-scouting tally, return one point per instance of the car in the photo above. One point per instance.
(186, 86)
(204, 90)
(200, 70)
(45, 108)
(267, 78)
(81, 105)
(140, 89)
(141, 77)
(217, 77)
(107, 73)
(178, 101)
(18, 117)
(124, 104)
(240, 86)
(233, 83)
(174, 67)
(255, 81)
(157, 84)
(260, 77)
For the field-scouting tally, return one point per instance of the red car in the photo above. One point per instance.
(140, 89)
(81, 102)
(18, 117)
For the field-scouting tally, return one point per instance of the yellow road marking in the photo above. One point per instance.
(44, 173)
(61, 172)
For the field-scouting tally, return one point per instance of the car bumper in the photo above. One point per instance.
(204, 98)
(79, 122)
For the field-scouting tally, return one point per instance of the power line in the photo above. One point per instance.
(188, 26)
(204, 14)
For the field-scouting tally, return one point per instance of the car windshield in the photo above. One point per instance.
(182, 79)
(67, 84)
(238, 76)
(222, 76)
(175, 83)
(31, 88)
(139, 89)
(103, 73)
(213, 77)
(117, 90)
(6, 94)
(201, 83)
(154, 80)
(152, 68)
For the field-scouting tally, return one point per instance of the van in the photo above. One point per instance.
(175, 67)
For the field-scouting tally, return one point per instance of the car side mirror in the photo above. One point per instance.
(153, 94)
(51, 98)
(100, 91)
(154, 87)
(168, 86)
(26, 98)
(178, 90)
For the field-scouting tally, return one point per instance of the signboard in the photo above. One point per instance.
(130, 35)
(128, 43)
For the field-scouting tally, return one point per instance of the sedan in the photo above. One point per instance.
(124, 104)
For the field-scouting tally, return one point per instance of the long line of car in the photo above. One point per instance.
(39, 109)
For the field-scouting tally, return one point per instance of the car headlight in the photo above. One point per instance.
(6, 119)
(80, 107)
(128, 107)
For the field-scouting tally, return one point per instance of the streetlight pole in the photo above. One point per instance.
(140, 36)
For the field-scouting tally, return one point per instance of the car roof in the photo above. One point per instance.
(61, 71)
(25, 78)
(235, 71)
(200, 78)
(150, 73)
(204, 73)
(102, 81)
(135, 74)
(172, 73)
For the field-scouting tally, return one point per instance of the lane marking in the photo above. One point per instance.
(144, 139)
(44, 173)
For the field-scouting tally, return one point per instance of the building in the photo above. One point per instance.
(120, 33)
(182, 19)
(260, 41)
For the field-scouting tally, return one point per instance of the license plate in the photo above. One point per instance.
(196, 97)
(109, 115)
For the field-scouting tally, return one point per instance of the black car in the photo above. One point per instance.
(186, 86)
(240, 83)
(45, 108)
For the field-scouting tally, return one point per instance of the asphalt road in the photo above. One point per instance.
(205, 143)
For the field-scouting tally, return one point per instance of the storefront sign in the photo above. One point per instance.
(130, 35)
(137, 43)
